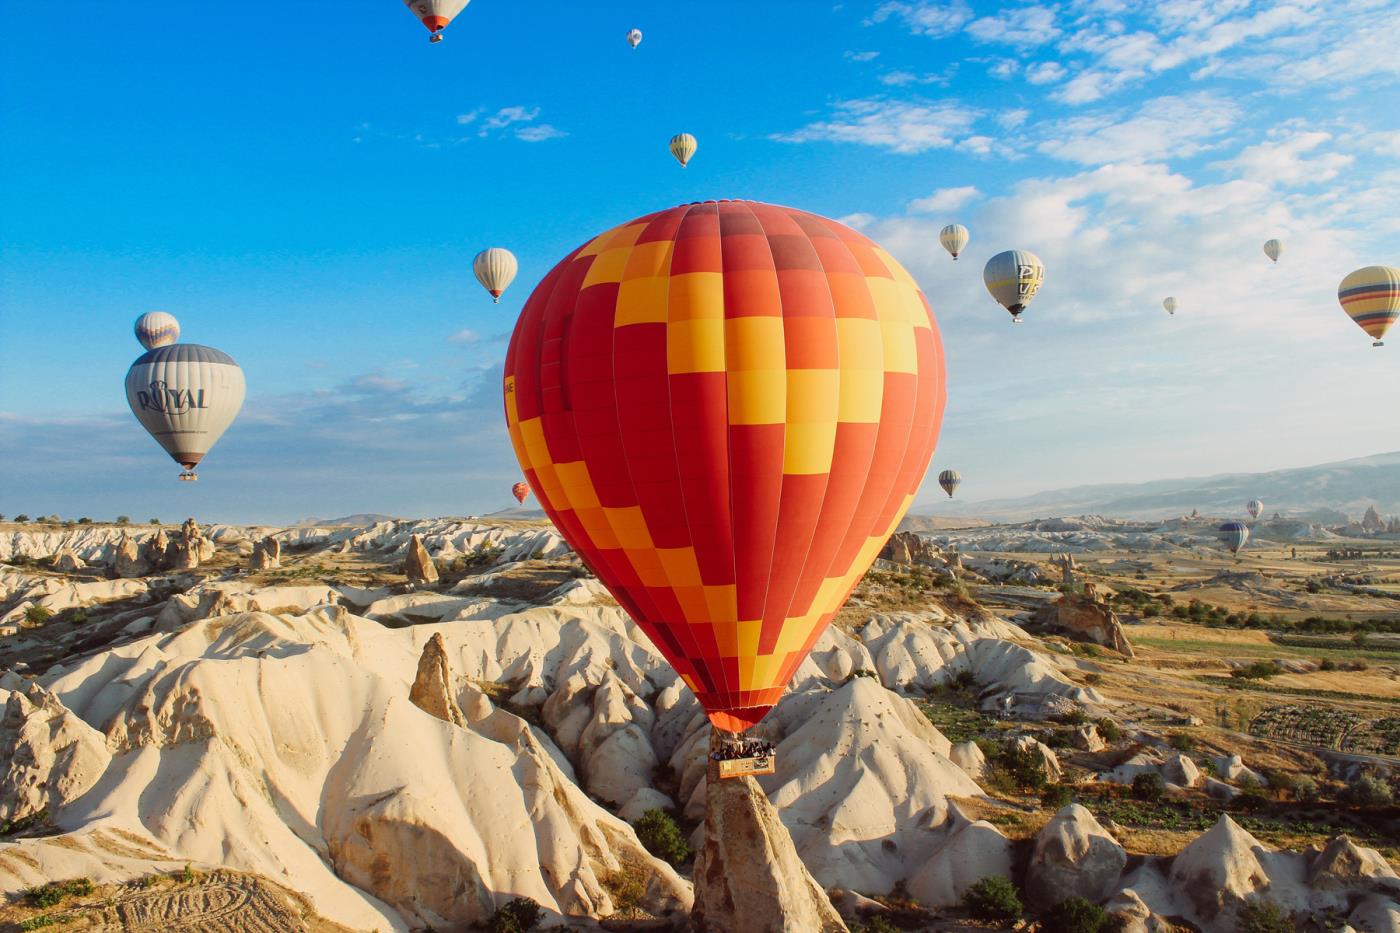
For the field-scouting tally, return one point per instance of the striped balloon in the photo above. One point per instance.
(157, 329)
(436, 14)
(1371, 298)
(950, 480)
(520, 491)
(1013, 278)
(1273, 249)
(954, 239)
(495, 269)
(1234, 535)
(1255, 508)
(683, 147)
(726, 408)
(186, 396)
(1170, 305)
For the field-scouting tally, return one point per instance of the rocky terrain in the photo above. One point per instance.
(410, 724)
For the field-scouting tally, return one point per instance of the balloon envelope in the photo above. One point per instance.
(1234, 535)
(186, 396)
(1169, 304)
(495, 269)
(520, 491)
(1371, 298)
(953, 238)
(726, 408)
(950, 480)
(1255, 507)
(157, 329)
(634, 38)
(1013, 278)
(436, 14)
(1273, 249)
(683, 147)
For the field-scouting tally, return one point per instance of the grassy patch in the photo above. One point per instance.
(56, 892)
(957, 717)
(1237, 684)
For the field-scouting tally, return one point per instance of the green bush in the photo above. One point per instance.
(123, 519)
(1181, 741)
(1252, 796)
(1057, 796)
(993, 898)
(41, 921)
(1367, 791)
(1261, 916)
(1327, 665)
(1259, 670)
(56, 892)
(84, 521)
(1074, 717)
(876, 924)
(662, 837)
(1076, 915)
(1109, 729)
(864, 672)
(1149, 786)
(21, 518)
(516, 916)
(37, 615)
(1305, 790)
(1024, 768)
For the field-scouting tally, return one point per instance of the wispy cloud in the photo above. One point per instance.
(945, 199)
(899, 126)
(926, 17)
(1162, 128)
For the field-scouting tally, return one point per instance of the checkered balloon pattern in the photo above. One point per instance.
(726, 408)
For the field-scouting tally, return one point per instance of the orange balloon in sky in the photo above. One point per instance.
(520, 491)
(726, 408)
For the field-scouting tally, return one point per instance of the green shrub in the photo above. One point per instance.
(1259, 670)
(41, 921)
(516, 916)
(123, 519)
(964, 680)
(1093, 678)
(993, 898)
(84, 521)
(876, 924)
(864, 672)
(1151, 611)
(1261, 916)
(1109, 729)
(21, 518)
(1367, 791)
(1024, 768)
(662, 837)
(1252, 796)
(1181, 741)
(1057, 796)
(56, 892)
(37, 615)
(1074, 717)
(1327, 665)
(1305, 790)
(1149, 786)
(1076, 915)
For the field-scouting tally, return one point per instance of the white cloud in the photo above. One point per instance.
(539, 133)
(1011, 119)
(463, 119)
(1167, 127)
(466, 335)
(1045, 73)
(1280, 161)
(861, 56)
(1004, 69)
(926, 17)
(899, 126)
(899, 78)
(945, 199)
(977, 145)
(506, 116)
(1027, 25)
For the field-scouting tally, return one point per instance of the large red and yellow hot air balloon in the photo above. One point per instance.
(726, 408)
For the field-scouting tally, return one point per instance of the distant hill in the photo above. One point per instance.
(1319, 493)
(363, 518)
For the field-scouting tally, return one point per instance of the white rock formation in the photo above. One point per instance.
(1073, 857)
(970, 852)
(48, 756)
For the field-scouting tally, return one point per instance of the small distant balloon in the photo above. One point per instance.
(1170, 305)
(157, 329)
(1234, 535)
(1273, 249)
(1013, 278)
(954, 239)
(950, 480)
(1255, 507)
(634, 37)
(495, 269)
(1371, 298)
(683, 147)
(436, 14)
(520, 491)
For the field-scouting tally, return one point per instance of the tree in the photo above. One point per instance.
(21, 518)
(155, 521)
(84, 521)
(662, 837)
(993, 898)
(517, 916)
(1076, 915)
(1149, 786)
(123, 519)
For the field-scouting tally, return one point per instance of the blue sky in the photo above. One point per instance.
(304, 187)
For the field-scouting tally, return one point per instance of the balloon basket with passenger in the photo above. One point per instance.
(189, 476)
(737, 756)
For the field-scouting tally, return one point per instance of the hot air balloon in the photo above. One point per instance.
(634, 37)
(520, 491)
(1273, 249)
(186, 396)
(436, 14)
(683, 147)
(1371, 298)
(495, 269)
(954, 239)
(1013, 278)
(1255, 508)
(1234, 535)
(157, 329)
(726, 408)
(950, 480)
(1170, 305)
